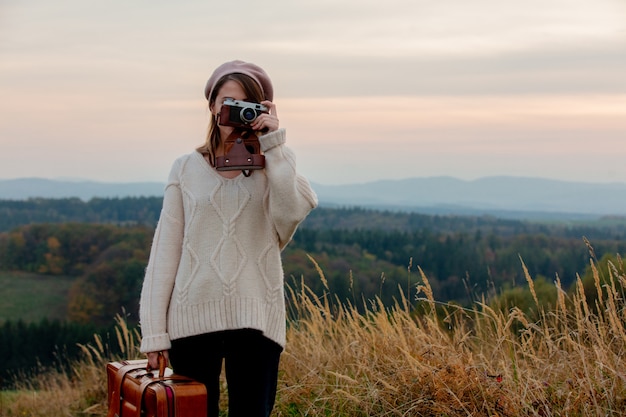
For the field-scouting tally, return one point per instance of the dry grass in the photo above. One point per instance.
(394, 361)
(79, 391)
(482, 362)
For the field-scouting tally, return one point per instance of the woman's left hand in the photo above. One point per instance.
(266, 122)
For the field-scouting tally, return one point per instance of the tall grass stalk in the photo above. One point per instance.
(80, 390)
(445, 360)
(417, 357)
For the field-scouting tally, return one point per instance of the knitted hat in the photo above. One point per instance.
(240, 67)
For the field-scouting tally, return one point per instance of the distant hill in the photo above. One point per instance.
(484, 195)
(24, 188)
(501, 196)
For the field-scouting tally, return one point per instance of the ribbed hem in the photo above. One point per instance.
(272, 139)
(155, 343)
(228, 314)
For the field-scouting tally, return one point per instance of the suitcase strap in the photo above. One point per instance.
(160, 392)
(165, 395)
(116, 396)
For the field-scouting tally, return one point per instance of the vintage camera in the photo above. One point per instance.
(242, 147)
(240, 114)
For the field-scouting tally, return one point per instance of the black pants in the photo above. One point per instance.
(251, 364)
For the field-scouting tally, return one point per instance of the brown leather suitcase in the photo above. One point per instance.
(133, 391)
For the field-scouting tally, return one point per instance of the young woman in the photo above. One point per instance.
(213, 290)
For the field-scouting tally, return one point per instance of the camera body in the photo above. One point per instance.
(240, 114)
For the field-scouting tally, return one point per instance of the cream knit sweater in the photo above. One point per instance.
(215, 261)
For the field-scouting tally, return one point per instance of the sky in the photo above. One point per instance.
(367, 90)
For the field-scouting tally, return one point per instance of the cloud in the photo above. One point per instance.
(320, 48)
(445, 28)
(452, 87)
(581, 69)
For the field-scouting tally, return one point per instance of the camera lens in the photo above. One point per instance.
(248, 114)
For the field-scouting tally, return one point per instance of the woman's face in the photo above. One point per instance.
(230, 89)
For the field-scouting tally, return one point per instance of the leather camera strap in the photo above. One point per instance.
(238, 157)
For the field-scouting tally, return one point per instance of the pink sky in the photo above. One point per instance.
(367, 90)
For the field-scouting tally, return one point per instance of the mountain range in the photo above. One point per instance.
(502, 196)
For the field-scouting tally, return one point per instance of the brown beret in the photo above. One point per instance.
(240, 67)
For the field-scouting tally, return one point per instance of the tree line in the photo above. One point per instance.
(461, 267)
(120, 211)
(108, 260)
(363, 254)
(25, 348)
(483, 255)
(145, 211)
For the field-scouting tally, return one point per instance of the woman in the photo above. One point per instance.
(213, 289)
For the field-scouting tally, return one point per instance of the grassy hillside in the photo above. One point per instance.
(32, 297)
(436, 359)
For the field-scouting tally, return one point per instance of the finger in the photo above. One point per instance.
(153, 361)
(266, 124)
(260, 122)
(271, 107)
(264, 118)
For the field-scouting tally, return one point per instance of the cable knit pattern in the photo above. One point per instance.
(215, 260)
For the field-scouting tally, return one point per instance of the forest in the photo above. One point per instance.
(104, 244)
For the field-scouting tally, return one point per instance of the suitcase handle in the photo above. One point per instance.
(162, 364)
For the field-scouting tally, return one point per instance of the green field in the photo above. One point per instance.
(33, 297)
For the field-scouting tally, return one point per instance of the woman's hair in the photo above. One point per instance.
(253, 93)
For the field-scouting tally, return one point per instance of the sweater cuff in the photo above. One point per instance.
(155, 343)
(273, 139)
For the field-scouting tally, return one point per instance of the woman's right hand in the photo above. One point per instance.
(153, 359)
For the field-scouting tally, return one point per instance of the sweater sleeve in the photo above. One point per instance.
(291, 197)
(162, 266)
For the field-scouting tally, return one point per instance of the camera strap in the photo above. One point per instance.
(243, 152)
